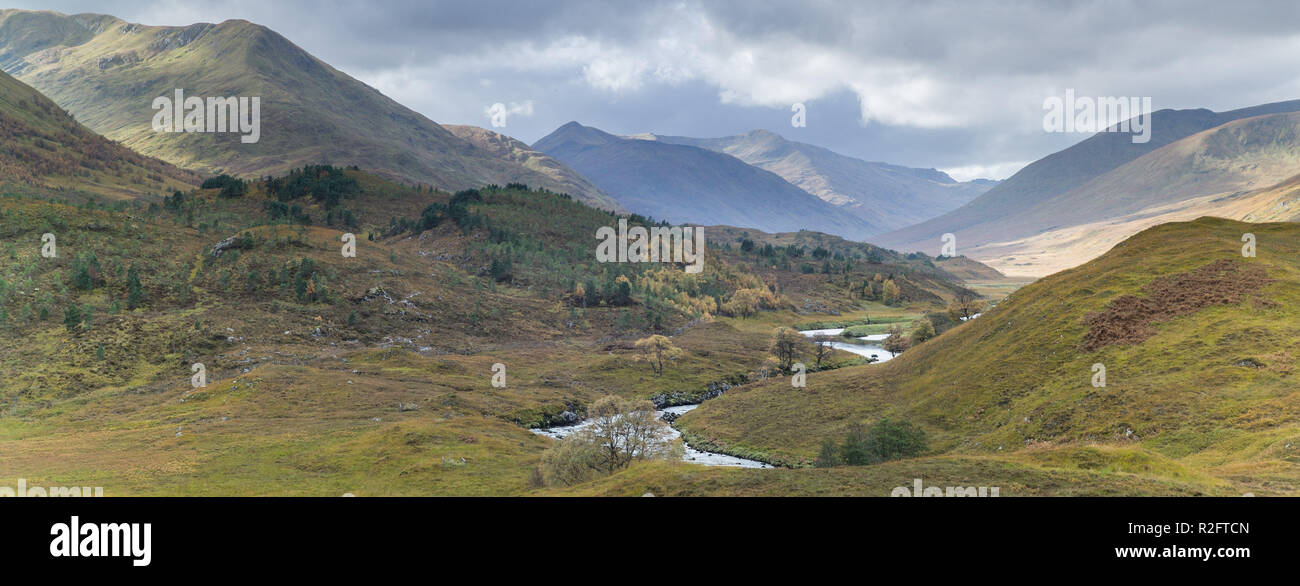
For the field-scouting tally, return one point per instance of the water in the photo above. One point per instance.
(867, 350)
(692, 455)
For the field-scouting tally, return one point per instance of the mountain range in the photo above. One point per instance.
(107, 72)
(1074, 204)
(887, 197)
(681, 183)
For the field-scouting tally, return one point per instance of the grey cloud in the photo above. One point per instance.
(944, 84)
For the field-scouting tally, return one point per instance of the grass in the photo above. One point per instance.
(300, 398)
(1019, 378)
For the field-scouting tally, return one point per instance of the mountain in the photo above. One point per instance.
(509, 149)
(107, 73)
(1192, 153)
(43, 147)
(1197, 342)
(681, 183)
(886, 196)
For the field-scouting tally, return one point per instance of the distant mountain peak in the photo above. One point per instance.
(684, 183)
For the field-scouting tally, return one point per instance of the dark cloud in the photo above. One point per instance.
(943, 84)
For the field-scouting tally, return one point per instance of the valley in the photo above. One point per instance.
(365, 302)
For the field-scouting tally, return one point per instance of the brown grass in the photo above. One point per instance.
(1130, 319)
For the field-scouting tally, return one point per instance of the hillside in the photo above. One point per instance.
(369, 374)
(681, 184)
(1198, 345)
(1070, 187)
(106, 71)
(41, 146)
(887, 197)
(509, 149)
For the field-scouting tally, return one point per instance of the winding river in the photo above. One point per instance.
(692, 455)
(867, 350)
(715, 459)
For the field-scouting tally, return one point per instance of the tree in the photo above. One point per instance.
(787, 346)
(922, 330)
(134, 292)
(890, 293)
(965, 306)
(71, 317)
(622, 291)
(896, 342)
(829, 455)
(769, 368)
(622, 431)
(885, 440)
(743, 303)
(657, 349)
(580, 294)
(822, 348)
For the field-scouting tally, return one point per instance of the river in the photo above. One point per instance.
(692, 455)
(867, 350)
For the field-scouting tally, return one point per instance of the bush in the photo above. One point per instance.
(885, 440)
(922, 330)
(621, 432)
(229, 186)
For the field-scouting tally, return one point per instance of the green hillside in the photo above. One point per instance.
(329, 374)
(42, 147)
(1198, 343)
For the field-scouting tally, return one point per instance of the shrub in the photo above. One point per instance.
(622, 431)
(885, 440)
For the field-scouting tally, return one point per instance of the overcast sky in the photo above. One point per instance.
(953, 85)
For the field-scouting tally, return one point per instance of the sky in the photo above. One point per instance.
(958, 86)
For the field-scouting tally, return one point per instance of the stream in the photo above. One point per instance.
(867, 350)
(692, 455)
(714, 459)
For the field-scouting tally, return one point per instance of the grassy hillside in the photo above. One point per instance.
(371, 374)
(42, 147)
(1206, 395)
(107, 73)
(506, 148)
(1212, 172)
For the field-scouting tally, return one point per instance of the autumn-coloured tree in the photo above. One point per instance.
(787, 345)
(897, 341)
(922, 330)
(656, 349)
(822, 348)
(580, 294)
(965, 306)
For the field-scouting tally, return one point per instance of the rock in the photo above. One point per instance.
(223, 246)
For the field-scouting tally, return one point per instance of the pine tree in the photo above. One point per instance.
(71, 317)
(134, 292)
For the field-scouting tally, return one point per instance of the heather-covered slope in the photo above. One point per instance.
(1198, 343)
(41, 146)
